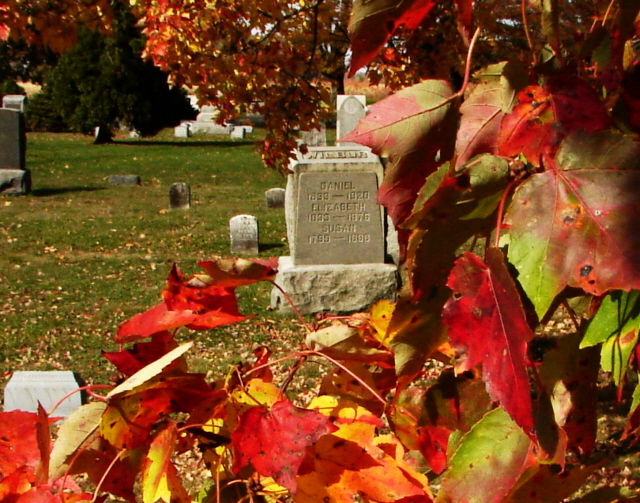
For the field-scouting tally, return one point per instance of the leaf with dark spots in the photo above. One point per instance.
(489, 461)
(274, 440)
(528, 128)
(353, 461)
(617, 326)
(487, 325)
(373, 22)
(579, 226)
(432, 442)
(482, 112)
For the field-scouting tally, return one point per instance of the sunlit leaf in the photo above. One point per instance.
(274, 440)
(586, 207)
(487, 325)
(489, 462)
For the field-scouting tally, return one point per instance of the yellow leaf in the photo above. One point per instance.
(381, 314)
(150, 371)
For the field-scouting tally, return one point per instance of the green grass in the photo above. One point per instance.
(78, 256)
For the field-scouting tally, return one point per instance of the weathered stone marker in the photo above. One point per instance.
(15, 102)
(15, 182)
(315, 137)
(13, 139)
(336, 234)
(180, 196)
(274, 198)
(124, 180)
(351, 108)
(25, 389)
(15, 179)
(244, 234)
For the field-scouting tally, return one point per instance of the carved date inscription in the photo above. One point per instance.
(339, 221)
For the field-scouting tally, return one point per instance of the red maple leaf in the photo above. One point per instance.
(274, 441)
(487, 325)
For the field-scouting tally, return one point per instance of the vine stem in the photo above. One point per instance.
(525, 25)
(304, 354)
(467, 66)
(294, 307)
(88, 389)
(503, 199)
(105, 474)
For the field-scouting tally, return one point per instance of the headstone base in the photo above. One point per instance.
(25, 389)
(339, 289)
(15, 182)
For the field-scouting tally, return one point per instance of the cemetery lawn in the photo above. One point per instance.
(78, 257)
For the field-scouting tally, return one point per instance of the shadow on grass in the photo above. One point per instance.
(62, 190)
(270, 246)
(159, 143)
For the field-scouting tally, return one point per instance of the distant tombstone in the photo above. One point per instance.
(180, 196)
(274, 198)
(207, 116)
(101, 135)
(243, 230)
(15, 102)
(13, 139)
(134, 134)
(26, 388)
(124, 180)
(237, 133)
(315, 137)
(182, 131)
(15, 182)
(351, 108)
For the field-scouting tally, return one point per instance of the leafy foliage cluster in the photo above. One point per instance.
(103, 81)
(539, 160)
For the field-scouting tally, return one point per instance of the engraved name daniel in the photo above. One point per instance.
(337, 209)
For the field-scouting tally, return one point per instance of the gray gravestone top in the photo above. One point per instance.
(180, 196)
(339, 221)
(15, 102)
(244, 234)
(274, 198)
(26, 388)
(237, 133)
(315, 137)
(124, 180)
(13, 139)
(330, 207)
(351, 108)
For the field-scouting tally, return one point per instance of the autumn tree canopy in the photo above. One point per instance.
(287, 59)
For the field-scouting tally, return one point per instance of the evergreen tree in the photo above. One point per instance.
(103, 82)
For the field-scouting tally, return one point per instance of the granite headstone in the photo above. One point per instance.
(244, 234)
(180, 196)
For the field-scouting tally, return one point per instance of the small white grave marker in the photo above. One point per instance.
(26, 388)
(244, 234)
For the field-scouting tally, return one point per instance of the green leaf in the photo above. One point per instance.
(616, 325)
(578, 225)
(489, 462)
